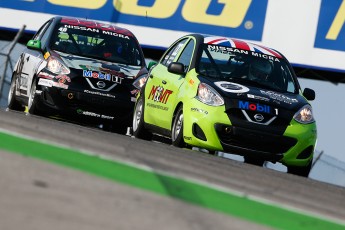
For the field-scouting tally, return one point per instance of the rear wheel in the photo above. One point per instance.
(139, 130)
(32, 102)
(13, 104)
(300, 170)
(177, 129)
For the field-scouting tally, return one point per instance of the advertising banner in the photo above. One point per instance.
(310, 33)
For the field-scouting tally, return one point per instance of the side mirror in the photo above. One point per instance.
(151, 63)
(34, 44)
(176, 68)
(309, 94)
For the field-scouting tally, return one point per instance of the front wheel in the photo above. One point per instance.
(13, 104)
(253, 161)
(177, 129)
(139, 130)
(300, 170)
(32, 102)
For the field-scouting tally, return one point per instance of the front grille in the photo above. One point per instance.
(233, 138)
(277, 126)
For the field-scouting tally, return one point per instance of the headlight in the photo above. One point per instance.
(208, 95)
(304, 115)
(55, 66)
(140, 81)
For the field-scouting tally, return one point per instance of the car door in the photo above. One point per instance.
(30, 60)
(162, 89)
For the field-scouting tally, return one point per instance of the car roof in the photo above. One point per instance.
(240, 44)
(94, 24)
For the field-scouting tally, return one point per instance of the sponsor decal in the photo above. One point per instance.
(257, 97)
(157, 106)
(106, 70)
(279, 97)
(187, 138)
(231, 87)
(107, 117)
(229, 46)
(159, 94)
(97, 26)
(254, 106)
(50, 83)
(45, 82)
(99, 93)
(92, 114)
(80, 28)
(199, 110)
(245, 18)
(94, 30)
(331, 26)
(46, 55)
(191, 82)
(102, 76)
(265, 56)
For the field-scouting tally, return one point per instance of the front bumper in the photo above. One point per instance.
(85, 106)
(209, 127)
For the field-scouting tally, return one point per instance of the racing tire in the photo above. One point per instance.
(139, 131)
(300, 170)
(32, 101)
(254, 161)
(177, 129)
(13, 104)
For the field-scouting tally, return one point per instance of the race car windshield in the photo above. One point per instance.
(246, 67)
(96, 43)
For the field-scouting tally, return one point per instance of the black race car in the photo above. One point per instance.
(80, 70)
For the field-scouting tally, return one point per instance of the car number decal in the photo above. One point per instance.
(231, 87)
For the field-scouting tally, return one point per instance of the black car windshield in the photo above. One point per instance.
(246, 67)
(96, 43)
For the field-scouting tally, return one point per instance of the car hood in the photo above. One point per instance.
(83, 63)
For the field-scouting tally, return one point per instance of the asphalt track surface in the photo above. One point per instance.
(58, 175)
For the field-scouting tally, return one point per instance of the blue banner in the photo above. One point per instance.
(331, 27)
(237, 18)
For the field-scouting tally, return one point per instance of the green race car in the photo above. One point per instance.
(228, 95)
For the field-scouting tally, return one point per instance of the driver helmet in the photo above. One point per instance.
(112, 49)
(260, 69)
